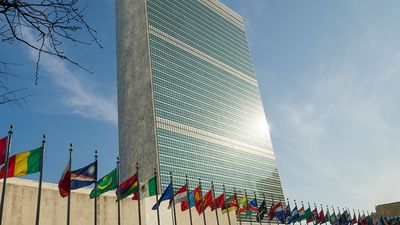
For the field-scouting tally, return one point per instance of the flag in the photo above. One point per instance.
(185, 205)
(208, 200)
(194, 197)
(309, 215)
(253, 206)
(23, 163)
(288, 214)
(64, 185)
(272, 210)
(128, 187)
(369, 220)
(107, 183)
(333, 218)
(168, 194)
(321, 216)
(279, 213)
(219, 202)
(302, 215)
(363, 220)
(179, 196)
(242, 205)
(354, 221)
(327, 216)
(197, 199)
(315, 215)
(3, 149)
(295, 215)
(84, 176)
(148, 189)
(231, 203)
(262, 210)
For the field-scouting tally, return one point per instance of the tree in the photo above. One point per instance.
(43, 26)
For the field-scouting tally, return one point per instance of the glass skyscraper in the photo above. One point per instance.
(189, 102)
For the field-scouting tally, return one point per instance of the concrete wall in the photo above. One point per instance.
(21, 198)
(136, 120)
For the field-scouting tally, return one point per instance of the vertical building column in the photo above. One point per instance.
(136, 119)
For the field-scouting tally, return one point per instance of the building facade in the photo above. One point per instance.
(188, 98)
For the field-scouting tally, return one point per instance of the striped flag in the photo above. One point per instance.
(23, 163)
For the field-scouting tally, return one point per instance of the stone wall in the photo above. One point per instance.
(21, 198)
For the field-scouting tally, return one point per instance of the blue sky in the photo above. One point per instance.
(328, 71)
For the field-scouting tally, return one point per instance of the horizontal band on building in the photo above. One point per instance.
(201, 55)
(213, 138)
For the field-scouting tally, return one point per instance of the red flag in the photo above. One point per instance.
(208, 200)
(64, 184)
(3, 146)
(219, 202)
(179, 196)
(321, 216)
(354, 221)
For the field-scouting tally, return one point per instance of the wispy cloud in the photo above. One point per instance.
(79, 94)
(343, 129)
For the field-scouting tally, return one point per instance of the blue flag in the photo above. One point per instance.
(295, 215)
(167, 195)
(84, 176)
(192, 202)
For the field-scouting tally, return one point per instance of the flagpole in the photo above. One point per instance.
(238, 210)
(226, 207)
(295, 205)
(173, 197)
(315, 205)
(269, 222)
(158, 211)
(202, 203)
(188, 199)
(118, 203)
(95, 189)
(255, 197)
(69, 195)
(213, 196)
(3, 192)
(328, 219)
(247, 206)
(290, 211)
(137, 172)
(273, 203)
(40, 181)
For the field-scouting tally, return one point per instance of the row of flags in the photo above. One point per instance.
(245, 206)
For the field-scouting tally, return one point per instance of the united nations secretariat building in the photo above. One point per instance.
(188, 103)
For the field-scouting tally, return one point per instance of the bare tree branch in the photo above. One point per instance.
(50, 23)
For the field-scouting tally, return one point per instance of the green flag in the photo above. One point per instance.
(308, 214)
(107, 183)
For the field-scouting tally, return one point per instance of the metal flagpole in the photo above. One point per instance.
(158, 211)
(238, 210)
(202, 203)
(226, 206)
(255, 197)
(118, 203)
(247, 205)
(69, 195)
(213, 196)
(269, 221)
(40, 181)
(3, 192)
(188, 199)
(137, 173)
(95, 189)
(173, 198)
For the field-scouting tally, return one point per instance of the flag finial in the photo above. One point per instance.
(11, 127)
(70, 147)
(43, 138)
